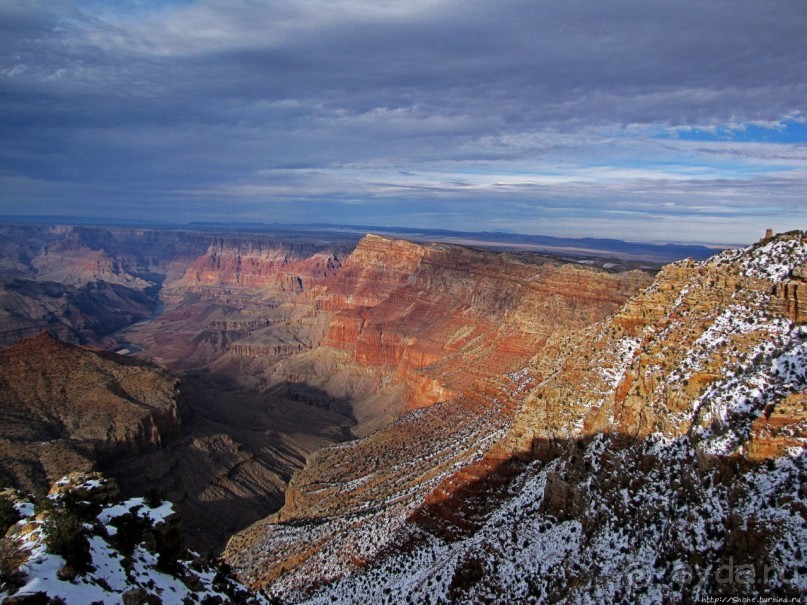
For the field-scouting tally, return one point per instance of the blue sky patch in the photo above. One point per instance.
(791, 131)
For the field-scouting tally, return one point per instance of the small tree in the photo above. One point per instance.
(8, 514)
(65, 536)
(130, 531)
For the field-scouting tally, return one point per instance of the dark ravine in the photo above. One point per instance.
(223, 455)
(66, 407)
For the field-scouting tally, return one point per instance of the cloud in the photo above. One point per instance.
(482, 107)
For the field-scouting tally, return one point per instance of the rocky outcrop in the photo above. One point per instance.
(250, 263)
(91, 487)
(789, 298)
(262, 350)
(781, 428)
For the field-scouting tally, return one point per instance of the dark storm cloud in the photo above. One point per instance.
(221, 107)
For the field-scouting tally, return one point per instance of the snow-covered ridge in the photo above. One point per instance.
(773, 370)
(774, 259)
(664, 535)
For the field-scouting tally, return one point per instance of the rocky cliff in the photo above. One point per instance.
(286, 267)
(240, 304)
(410, 325)
(655, 455)
(391, 326)
(86, 283)
(82, 284)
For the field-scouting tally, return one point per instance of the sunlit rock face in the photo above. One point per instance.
(416, 324)
(391, 326)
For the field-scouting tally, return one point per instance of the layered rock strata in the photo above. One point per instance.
(411, 325)
(646, 454)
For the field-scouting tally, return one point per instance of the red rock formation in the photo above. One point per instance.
(790, 297)
(259, 264)
(782, 426)
(395, 326)
(438, 318)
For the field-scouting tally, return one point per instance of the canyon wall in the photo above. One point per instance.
(639, 456)
(530, 428)
(84, 283)
(410, 325)
(87, 283)
(391, 326)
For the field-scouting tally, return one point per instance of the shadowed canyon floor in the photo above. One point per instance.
(224, 455)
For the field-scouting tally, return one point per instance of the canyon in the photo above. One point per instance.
(278, 347)
(370, 418)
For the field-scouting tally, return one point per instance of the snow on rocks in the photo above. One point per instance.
(775, 259)
(772, 370)
(122, 558)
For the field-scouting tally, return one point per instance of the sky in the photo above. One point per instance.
(648, 120)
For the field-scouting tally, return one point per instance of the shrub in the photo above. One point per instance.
(154, 497)
(86, 510)
(12, 556)
(65, 536)
(8, 514)
(131, 530)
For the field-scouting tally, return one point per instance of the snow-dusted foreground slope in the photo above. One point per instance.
(642, 523)
(108, 552)
(656, 457)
